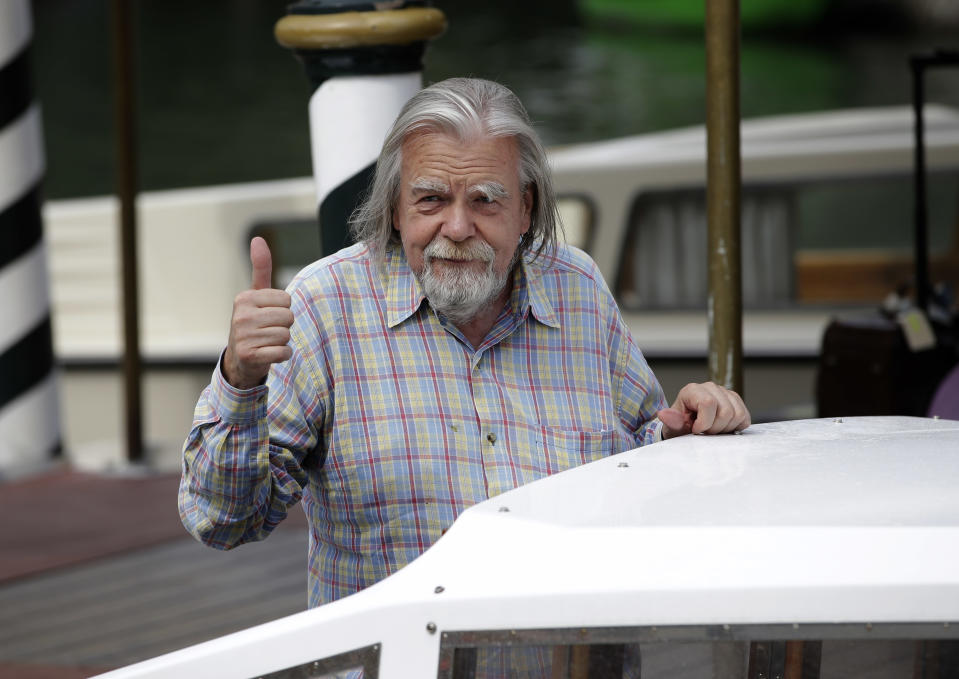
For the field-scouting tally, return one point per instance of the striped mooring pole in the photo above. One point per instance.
(365, 60)
(29, 404)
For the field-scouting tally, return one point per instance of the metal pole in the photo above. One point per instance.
(918, 64)
(723, 177)
(921, 252)
(126, 191)
(364, 60)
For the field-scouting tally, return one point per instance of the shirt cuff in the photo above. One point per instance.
(236, 406)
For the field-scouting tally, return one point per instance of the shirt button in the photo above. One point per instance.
(491, 437)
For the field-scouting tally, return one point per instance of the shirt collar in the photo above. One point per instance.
(405, 294)
(528, 280)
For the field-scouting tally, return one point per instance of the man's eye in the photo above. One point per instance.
(429, 199)
(485, 199)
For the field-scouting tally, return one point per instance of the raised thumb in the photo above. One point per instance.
(262, 262)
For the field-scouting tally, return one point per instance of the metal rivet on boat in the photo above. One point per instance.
(838, 420)
(439, 589)
(621, 465)
(504, 509)
(431, 627)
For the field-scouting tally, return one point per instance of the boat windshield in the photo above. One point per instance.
(793, 651)
(840, 651)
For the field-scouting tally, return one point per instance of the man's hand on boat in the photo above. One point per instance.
(704, 409)
(260, 327)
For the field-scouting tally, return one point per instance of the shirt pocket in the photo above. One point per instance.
(567, 448)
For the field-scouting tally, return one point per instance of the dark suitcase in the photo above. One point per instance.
(867, 368)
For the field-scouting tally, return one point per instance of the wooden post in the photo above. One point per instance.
(126, 191)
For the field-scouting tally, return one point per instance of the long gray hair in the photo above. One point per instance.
(465, 108)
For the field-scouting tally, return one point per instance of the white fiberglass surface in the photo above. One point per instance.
(862, 471)
(790, 524)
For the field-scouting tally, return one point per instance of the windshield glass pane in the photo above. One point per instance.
(361, 663)
(821, 651)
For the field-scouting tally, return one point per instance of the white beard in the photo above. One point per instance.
(459, 294)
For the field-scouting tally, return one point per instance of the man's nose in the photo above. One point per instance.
(458, 225)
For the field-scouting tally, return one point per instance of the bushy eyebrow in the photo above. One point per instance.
(428, 185)
(491, 190)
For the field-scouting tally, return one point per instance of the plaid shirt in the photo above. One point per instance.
(387, 423)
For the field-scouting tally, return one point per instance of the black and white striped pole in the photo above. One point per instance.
(29, 405)
(365, 60)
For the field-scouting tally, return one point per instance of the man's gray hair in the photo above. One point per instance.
(464, 108)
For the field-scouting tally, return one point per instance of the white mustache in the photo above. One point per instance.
(443, 248)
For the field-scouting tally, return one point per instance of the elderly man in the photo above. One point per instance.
(455, 352)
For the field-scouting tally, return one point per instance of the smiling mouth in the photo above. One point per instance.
(451, 266)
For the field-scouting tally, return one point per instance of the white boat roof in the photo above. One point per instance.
(814, 522)
(880, 129)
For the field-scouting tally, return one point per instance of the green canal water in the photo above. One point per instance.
(220, 101)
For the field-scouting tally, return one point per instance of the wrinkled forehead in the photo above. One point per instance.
(431, 158)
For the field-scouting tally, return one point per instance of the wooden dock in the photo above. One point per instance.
(96, 572)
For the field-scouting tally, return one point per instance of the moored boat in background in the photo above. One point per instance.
(827, 210)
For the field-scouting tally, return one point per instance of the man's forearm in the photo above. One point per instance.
(234, 488)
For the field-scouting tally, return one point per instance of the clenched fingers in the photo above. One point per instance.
(706, 408)
(259, 336)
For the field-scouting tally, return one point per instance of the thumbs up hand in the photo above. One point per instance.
(260, 327)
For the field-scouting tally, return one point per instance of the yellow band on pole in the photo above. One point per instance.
(358, 29)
